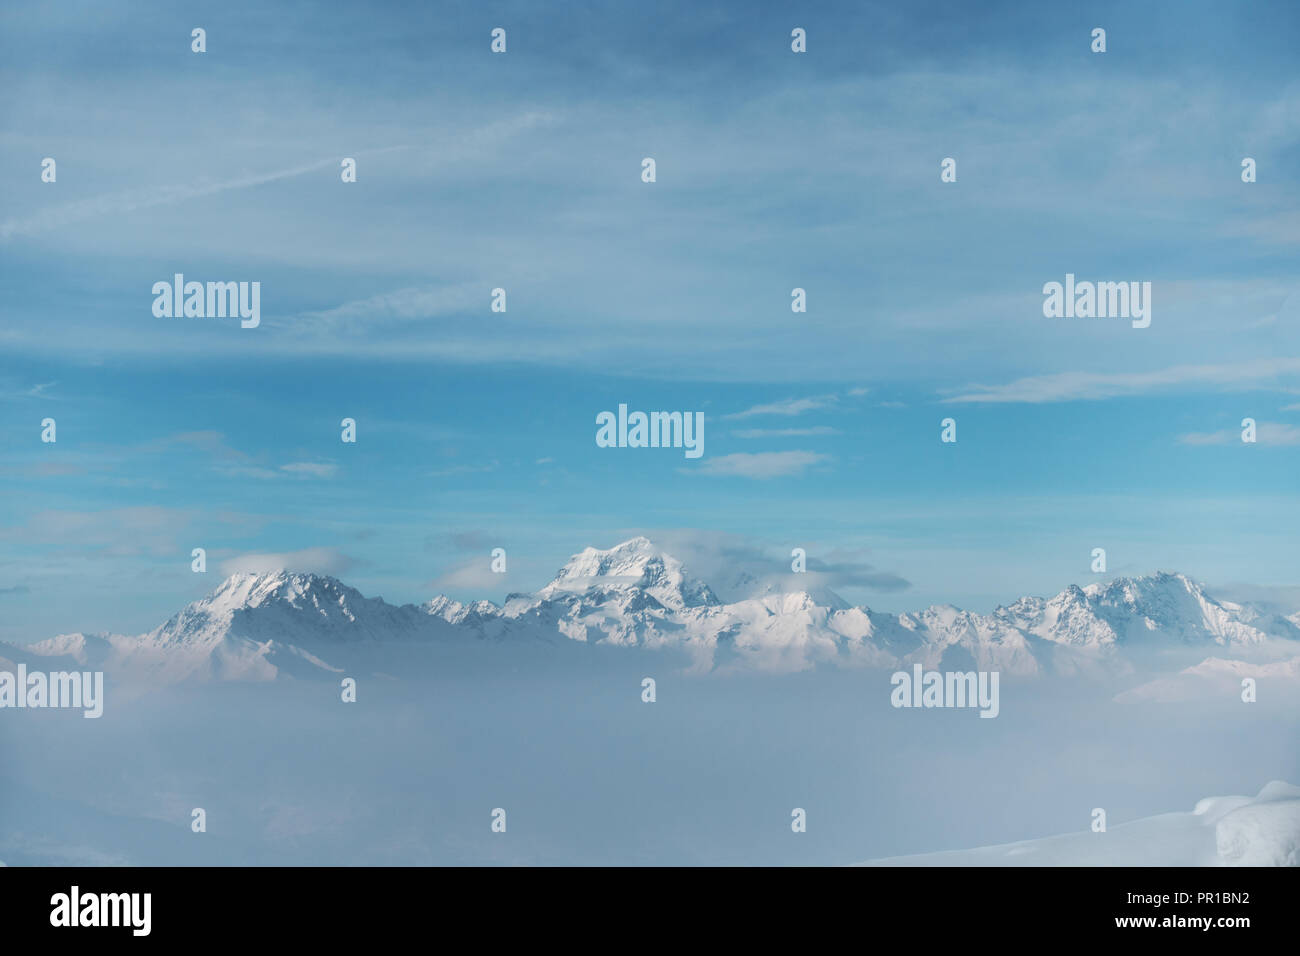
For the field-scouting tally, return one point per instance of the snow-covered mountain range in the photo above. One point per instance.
(1263, 830)
(262, 626)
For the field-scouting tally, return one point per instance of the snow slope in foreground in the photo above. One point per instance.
(1221, 831)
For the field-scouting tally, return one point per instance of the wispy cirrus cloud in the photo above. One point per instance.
(119, 532)
(115, 204)
(403, 305)
(10, 392)
(766, 464)
(1076, 386)
(1266, 433)
(788, 407)
(786, 432)
(311, 469)
(211, 442)
(463, 470)
(232, 461)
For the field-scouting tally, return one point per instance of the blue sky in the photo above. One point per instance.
(522, 171)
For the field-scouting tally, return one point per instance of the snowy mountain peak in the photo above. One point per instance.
(292, 588)
(1132, 591)
(454, 612)
(1133, 610)
(634, 565)
(279, 608)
